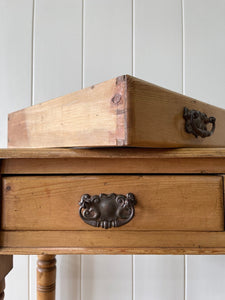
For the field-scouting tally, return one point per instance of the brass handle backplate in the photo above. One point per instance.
(196, 123)
(107, 211)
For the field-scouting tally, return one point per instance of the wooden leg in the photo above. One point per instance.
(46, 277)
(6, 264)
(2, 288)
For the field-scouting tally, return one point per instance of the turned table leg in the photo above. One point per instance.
(6, 264)
(46, 277)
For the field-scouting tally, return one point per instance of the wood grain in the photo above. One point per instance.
(111, 242)
(93, 116)
(2, 288)
(6, 264)
(124, 111)
(102, 153)
(156, 117)
(163, 202)
(107, 166)
(89, 161)
(46, 277)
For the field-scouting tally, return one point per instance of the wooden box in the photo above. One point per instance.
(124, 111)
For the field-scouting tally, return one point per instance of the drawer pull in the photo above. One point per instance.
(196, 123)
(107, 211)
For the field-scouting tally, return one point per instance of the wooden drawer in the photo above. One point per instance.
(124, 111)
(163, 202)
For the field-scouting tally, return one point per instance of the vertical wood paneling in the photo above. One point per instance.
(159, 277)
(57, 48)
(17, 280)
(32, 277)
(158, 42)
(57, 71)
(107, 50)
(205, 277)
(107, 53)
(205, 76)
(158, 59)
(68, 277)
(107, 39)
(204, 51)
(106, 277)
(15, 59)
(15, 93)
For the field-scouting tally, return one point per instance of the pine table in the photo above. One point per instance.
(109, 201)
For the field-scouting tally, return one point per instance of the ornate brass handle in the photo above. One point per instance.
(107, 211)
(196, 123)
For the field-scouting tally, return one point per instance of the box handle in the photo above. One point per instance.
(107, 211)
(196, 123)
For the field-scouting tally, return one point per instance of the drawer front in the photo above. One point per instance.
(163, 202)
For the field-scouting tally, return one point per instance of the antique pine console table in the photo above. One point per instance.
(109, 201)
(115, 200)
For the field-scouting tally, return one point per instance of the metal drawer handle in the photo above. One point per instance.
(107, 211)
(196, 123)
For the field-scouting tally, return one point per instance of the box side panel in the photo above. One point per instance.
(90, 117)
(157, 120)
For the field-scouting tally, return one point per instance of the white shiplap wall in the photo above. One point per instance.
(52, 47)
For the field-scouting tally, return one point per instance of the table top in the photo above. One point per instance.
(111, 152)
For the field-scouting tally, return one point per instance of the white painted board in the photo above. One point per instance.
(57, 48)
(204, 62)
(204, 23)
(15, 93)
(107, 39)
(158, 42)
(159, 277)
